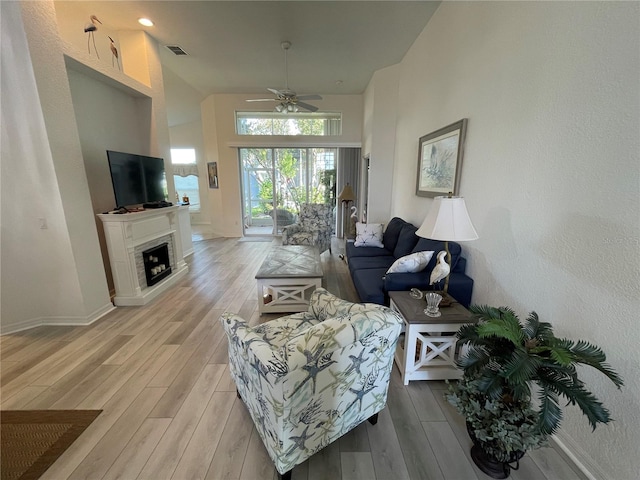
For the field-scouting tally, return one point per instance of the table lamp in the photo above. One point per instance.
(447, 220)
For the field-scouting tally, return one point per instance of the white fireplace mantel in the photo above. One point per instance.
(127, 235)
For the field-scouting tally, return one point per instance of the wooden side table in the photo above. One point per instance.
(429, 348)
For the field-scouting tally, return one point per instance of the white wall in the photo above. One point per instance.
(222, 142)
(189, 135)
(551, 178)
(49, 275)
(381, 104)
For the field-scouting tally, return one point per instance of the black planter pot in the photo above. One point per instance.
(489, 464)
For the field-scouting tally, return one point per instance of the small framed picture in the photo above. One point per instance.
(212, 172)
(440, 160)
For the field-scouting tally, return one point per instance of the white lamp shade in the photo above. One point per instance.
(448, 219)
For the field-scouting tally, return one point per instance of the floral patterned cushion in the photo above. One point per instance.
(309, 378)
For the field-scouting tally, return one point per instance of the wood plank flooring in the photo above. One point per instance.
(161, 377)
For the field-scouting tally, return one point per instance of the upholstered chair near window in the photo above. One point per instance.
(314, 227)
(309, 378)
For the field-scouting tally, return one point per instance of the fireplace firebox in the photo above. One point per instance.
(156, 263)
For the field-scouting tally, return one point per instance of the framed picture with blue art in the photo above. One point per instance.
(440, 160)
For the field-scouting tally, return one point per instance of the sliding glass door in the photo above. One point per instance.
(276, 181)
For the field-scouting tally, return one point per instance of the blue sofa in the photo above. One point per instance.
(368, 265)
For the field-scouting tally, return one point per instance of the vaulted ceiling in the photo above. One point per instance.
(234, 46)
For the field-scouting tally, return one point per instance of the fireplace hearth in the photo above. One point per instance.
(156, 263)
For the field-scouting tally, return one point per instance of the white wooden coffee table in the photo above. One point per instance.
(429, 348)
(287, 278)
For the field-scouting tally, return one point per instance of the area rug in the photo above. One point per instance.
(31, 440)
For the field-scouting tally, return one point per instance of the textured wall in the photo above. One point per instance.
(551, 178)
(37, 281)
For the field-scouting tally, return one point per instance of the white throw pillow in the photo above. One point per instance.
(368, 235)
(412, 263)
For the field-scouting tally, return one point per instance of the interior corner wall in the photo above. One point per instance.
(378, 139)
(550, 176)
(41, 278)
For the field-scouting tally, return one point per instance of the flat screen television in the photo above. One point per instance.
(136, 179)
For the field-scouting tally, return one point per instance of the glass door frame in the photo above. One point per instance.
(304, 173)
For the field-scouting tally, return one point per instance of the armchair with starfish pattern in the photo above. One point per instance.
(313, 228)
(309, 378)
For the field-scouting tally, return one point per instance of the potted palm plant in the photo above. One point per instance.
(506, 363)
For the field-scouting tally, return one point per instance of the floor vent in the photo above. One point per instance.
(176, 49)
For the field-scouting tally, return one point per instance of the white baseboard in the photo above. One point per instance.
(56, 321)
(578, 456)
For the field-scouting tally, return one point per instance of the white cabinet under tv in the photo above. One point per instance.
(145, 252)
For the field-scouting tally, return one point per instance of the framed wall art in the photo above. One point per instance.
(440, 160)
(212, 172)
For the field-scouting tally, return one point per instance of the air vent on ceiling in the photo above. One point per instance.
(177, 49)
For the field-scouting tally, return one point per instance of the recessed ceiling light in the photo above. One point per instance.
(146, 22)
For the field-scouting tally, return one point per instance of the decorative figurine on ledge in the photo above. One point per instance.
(114, 52)
(90, 28)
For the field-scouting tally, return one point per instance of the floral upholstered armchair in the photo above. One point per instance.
(309, 378)
(314, 227)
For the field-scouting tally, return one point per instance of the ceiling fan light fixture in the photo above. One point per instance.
(288, 99)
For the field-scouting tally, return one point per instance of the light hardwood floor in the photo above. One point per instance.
(170, 411)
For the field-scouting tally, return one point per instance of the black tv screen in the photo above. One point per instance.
(136, 178)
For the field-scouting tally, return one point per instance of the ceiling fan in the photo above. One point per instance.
(288, 100)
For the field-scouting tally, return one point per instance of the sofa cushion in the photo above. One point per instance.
(353, 251)
(369, 284)
(437, 246)
(365, 263)
(406, 241)
(368, 235)
(391, 233)
(412, 263)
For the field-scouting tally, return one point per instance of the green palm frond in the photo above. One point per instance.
(560, 355)
(531, 325)
(521, 367)
(467, 333)
(550, 413)
(491, 384)
(577, 394)
(474, 360)
(507, 327)
(589, 354)
(545, 332)
(521, 392)
(485, 312)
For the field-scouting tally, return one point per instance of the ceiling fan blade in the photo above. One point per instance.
(274, 91)
(309, 97)
(306, 106)
(262, 100)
